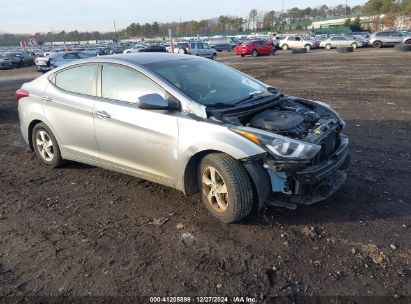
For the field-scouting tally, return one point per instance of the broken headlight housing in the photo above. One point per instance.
(279, 146)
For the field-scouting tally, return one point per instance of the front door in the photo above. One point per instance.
(130, 138)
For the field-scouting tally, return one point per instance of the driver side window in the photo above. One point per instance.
(124, 84)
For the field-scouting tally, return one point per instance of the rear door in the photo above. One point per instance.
(130, 138)
(200, 49)
(291, 42)
(68, 104)
(396, 38)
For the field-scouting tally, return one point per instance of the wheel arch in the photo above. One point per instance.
(31, 126)
(260, 181)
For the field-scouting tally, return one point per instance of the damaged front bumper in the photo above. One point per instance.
(313, 183)
(292, 183)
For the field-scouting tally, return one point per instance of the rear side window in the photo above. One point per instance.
(70, 56)
(82, 55)
(382, 34)
(77, 80)
(193, 45)
(126, 85)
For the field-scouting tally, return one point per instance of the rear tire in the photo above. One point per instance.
(225, 187)
(354, 45)
(254, 53)
(46, 147)
(214, 57)
(242, 55)
(307, 47)
(328, 46)
(285, 47)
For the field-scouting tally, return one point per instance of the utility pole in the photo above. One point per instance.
(346, 4)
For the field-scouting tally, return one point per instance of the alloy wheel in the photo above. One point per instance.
(44, 145)
(214, 188)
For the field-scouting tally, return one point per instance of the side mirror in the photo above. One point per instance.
(155, 102)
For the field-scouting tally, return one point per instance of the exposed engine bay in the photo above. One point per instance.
(303, 181)
(296, 118)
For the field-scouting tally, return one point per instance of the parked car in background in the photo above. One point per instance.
(93, 51)
(365, 41)
(407, 39)
(297, 42)
(366, 35)
(153, 48)
(135, 49)
(180, 48)
(387, 38)
(5, 61)
(188, 123)
(340, 41)
(222, 44)
(114, 49)
(255, 48)
(202, 49)
(19, 59)
(45, 64)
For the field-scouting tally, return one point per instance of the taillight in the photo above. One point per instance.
(20, 93)
(189, 48)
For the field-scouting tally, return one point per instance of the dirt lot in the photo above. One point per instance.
(82, 230)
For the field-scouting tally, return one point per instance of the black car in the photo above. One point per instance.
(18, 59)
(154, 48)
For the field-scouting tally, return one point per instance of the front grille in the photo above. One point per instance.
(329, 144)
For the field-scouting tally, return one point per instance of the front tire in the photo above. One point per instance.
(377, 44)
(307, 47)
(254, 53)
(354, 45)
(285, 47)
(225, 187)
(46, 147)
(328, 46)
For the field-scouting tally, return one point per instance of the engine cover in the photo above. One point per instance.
(276, 120)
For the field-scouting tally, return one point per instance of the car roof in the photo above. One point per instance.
(140, 58)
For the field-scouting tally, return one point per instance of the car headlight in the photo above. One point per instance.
(279, 146)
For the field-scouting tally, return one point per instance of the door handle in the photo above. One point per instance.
(102, 114)
(46, 98)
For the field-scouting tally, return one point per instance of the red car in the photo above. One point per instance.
(255, 48)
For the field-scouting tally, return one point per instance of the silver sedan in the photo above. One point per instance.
(340, 41)
(189, 123)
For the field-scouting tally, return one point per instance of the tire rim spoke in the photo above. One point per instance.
(206, 180)
(215, 189)
(222, 189)
(45, 146)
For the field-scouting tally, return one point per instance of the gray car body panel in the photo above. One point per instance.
(150, 144)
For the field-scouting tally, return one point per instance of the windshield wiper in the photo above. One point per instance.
(252, 97)
(220, 105)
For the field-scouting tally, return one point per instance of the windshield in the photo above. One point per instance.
(207, 82)
(9, 55)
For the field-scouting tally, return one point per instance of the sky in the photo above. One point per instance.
(28, 16)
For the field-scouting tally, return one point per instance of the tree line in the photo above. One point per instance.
(294, 18)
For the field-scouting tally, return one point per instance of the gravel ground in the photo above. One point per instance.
(85, 231)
